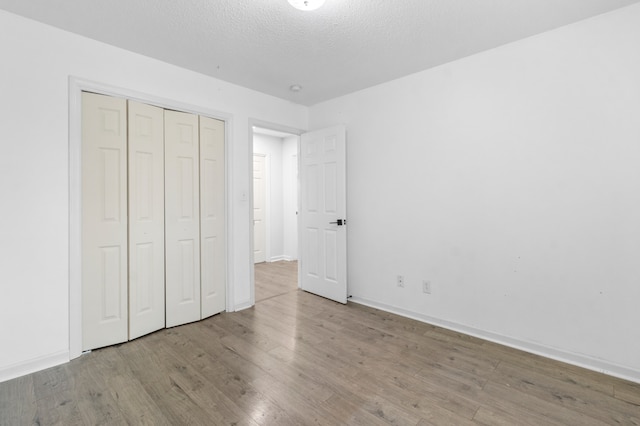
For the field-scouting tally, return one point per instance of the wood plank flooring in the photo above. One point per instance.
(298, 359)
(275, 278)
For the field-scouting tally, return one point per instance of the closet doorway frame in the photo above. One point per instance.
(78, 85)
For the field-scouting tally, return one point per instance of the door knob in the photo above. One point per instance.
(339, 222)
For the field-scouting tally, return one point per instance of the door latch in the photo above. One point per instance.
(339, 222)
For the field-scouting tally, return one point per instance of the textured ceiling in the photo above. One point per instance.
(347, 45)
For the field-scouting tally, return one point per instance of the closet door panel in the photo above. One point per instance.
(104, 221)
(146, 219)
(182, 218)
(212, 214)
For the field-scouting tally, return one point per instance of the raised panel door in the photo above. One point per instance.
(212, 217)
(146, 219)
(104, 221)
(259, 209)
(322, 219)
(182, 218)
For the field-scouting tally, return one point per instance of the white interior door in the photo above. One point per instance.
(212, 217)
(182, 218)
(259, 208)
(322, 219)
(146, 219)
(104, 221)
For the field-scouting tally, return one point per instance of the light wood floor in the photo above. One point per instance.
(298, 359)
(275, 279)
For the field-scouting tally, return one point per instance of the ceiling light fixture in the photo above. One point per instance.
(306, 4)
(295, 88)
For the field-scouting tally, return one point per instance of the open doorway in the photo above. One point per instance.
(275, 209)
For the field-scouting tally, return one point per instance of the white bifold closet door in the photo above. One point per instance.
(182, 217)
(212, 217)
(153, 219)
(104, 221)
(146, 219)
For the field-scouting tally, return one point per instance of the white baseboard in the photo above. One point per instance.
(279, 258)
(242, 306)
(579, 360)
(33, 365)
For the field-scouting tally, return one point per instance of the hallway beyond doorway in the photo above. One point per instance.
(275, 279)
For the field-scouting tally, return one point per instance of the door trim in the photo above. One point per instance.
(76, 86)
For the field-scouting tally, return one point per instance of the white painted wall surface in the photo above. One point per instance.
(290, 196)
(511, 180)
(271, 147)
(34, 172)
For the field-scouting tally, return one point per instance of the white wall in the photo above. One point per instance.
(511, 180)
(281, 194)
(34, 172)
(290, 196)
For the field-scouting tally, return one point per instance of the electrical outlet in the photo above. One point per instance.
(426, 287)
(400, 281)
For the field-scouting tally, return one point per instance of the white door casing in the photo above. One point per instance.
(146, 219)
(259, 208)
(182, 218)
(104, 221)
(212, 217)
(323, 242)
